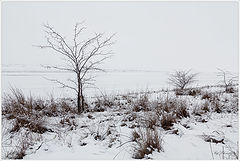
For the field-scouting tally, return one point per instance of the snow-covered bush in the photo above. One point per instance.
(167, 121)
(151, 121)
(102, 102)
(175, 106)
(17, 105)
(181, 109)
(141, 104)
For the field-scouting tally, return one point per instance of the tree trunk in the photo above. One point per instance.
(82, 99)
(78, 102)
(79, 94)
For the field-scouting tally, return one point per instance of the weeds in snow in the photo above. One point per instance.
(147, 140)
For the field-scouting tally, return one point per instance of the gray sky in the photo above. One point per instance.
(150, 35)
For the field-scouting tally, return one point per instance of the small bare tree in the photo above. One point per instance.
(81, 57)
(228, 80)
(181, 79)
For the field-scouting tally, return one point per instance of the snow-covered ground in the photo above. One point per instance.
(189, 144)
(108, 134)
(32, 79)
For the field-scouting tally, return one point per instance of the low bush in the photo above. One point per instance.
(206, 95)
(141, 104)
(33, 125)
(104, 101)
(205, 106)
(201, 109)
(210, 96)
(194, 92)
(197, 111)
(217, 106)
(165, 105)
(59, 107)
(190, 91)
(17, 105)
(135, 135)
(167, 121)
(101, 103)
(30, 112)
(181, 109)
(150, 120)
(175, 106)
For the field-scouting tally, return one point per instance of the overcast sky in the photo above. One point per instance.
(202, 36)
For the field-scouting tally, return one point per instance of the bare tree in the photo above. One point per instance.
(81, 57)
(181, 79)
(228, 79)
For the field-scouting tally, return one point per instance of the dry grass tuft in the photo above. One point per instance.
(147, 140)
(167, 121)
(141, 104)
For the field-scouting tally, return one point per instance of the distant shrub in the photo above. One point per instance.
(230, 90)
(228, 79)
(182, 79)
(190, 91)
(194, 92)
(211, 97)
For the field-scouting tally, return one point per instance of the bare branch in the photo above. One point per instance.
(73, 81)
(61, 83)
(228, 79)
(58, 68)
(81, 57)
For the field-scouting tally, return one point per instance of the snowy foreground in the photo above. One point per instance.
(202, 124)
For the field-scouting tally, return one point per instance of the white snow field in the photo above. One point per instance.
(35, 81)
